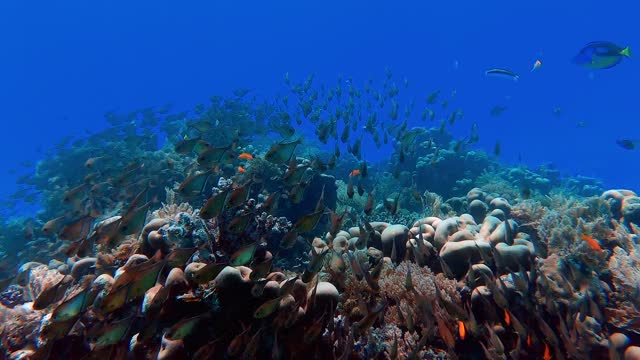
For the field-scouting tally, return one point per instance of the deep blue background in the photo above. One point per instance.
(64, 63)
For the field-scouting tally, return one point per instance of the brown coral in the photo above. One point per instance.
(424, 281)
(19, 327)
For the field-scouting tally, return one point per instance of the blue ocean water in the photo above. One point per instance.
(65, 64)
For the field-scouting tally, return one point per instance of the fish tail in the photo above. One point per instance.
(626, 52)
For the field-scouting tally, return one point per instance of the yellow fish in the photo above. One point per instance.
(244, 255)
(268, 308)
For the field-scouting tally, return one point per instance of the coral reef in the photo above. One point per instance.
(269, 249)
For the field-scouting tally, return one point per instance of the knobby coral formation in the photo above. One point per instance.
(256, 252)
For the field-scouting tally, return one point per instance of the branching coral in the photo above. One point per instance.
(493, 182)
(407, 343)
(417, 304)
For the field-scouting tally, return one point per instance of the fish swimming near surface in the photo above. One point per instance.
(433, 97)
(536, 65)
(502, 73)
(497, 110)
(601, 55)
(627, 144)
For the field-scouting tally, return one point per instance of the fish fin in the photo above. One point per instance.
(626, 52)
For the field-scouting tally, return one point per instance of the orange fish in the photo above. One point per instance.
(355, 172)
(241, 169)
(245, 156)
(593, 243)
(536, 65)
(547, 352)
(461, 330)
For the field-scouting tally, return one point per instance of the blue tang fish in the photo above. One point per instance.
(601, 55)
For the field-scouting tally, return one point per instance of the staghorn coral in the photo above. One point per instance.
(171, 209)
(528, 213)
(407, 342)
(493, 182)
(558, 232)
(392, 286)
(259, 168)
(392, 282)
